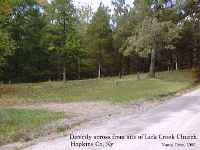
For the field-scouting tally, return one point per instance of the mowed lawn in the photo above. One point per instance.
(112, 90)
(23, 124)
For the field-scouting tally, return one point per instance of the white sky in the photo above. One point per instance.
(95, 3)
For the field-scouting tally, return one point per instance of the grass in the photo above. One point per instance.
(107, 89)
(23, 124)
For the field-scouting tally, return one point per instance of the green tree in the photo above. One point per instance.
(62, 17)
(27, 28)
(100, 37)
(150, 37)
(151, 34)
(123, 26)
(7, 45)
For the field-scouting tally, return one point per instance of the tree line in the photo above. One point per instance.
(42, 40)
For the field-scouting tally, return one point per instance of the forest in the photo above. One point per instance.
(42, 40)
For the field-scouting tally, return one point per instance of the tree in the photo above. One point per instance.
(100, 37)
(74, 50)
(62, 17)
(42, 40)
(189, 20)
(151, 34)
(7, 45)
(150, 37)
(123, 26)
(120, 9)
(27, 28)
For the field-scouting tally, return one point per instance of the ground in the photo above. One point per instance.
(87, 100)
(112, 90)
(177, 116)
(16, 123)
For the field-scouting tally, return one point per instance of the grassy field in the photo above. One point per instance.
(107, 89)
(22, 124)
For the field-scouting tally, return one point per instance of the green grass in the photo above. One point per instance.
(106, 89)
(22, 124)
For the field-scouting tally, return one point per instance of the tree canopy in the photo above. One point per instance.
(42, 40)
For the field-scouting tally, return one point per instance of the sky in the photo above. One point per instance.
(95, 3)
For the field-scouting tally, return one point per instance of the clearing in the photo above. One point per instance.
(31, 108)
(112, 90)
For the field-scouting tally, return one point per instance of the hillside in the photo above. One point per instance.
(106, 89)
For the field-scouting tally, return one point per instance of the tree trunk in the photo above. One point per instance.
(64, 73)
(176, 62)
(79, 68)
(153, 64)
(99, 71)
(138, 75)
(194, 59)
(138, 68)
(120, 66)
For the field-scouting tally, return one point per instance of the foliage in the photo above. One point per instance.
(100, 35)
(64, 41)
(27, 29)
(152, 34)
(7, 47)
(42, 40)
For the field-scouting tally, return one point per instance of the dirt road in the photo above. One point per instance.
(173, 125)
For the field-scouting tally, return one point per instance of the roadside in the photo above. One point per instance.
(82, 114)
(102, 100)
(178, 116)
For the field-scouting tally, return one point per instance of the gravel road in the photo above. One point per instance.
(173, 125)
